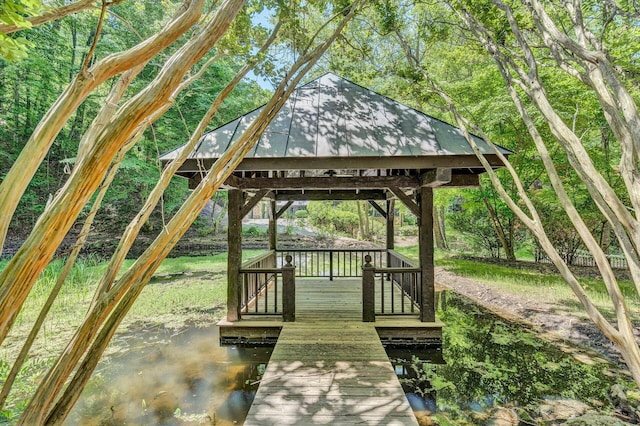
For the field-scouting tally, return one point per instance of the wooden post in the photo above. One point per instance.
(234, 259)
(288, 291)
(425, 241)
(368, 295)
(273, 226)
(331, 265)
(390, 229)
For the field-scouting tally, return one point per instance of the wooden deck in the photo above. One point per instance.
(337, 300)
(328, 367)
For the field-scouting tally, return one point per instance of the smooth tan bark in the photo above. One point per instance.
(113, 98)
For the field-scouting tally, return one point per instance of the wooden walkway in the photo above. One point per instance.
(329, 367)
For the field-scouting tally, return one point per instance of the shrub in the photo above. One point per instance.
(253, 231)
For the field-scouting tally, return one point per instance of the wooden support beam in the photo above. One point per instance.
(283, 209)
(406, 200)
(391, 205)
(436, 177)
(378, 208)
(406, 162)
(463, 181)
(234, 259)
(251, 203)
(330, 195)
(234, 182)
(425, 254)
(273, 225)
(329, 182)
(372, 182)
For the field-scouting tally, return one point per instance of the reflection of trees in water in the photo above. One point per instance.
(415, 383)
(177, 376)
(491, 362)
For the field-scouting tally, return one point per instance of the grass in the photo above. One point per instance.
(193, 291)
(548, 287)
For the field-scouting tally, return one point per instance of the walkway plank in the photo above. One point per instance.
(328, 369)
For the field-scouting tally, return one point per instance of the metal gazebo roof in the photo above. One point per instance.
(332, 123)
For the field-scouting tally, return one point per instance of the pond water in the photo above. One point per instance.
(179, 379)
(486, 364)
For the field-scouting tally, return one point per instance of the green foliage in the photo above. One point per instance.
(29, 87)
(14, 48)
(301, 214)
(467, 213)
(16, 12)
(528, 281)
(253, 231)
(336, 217)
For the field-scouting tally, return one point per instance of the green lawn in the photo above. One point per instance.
(549, 287)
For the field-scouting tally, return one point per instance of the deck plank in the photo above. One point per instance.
(328, 367)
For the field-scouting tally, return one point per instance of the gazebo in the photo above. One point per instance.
(336, 140)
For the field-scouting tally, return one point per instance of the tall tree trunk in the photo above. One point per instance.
(438, 229)
(605, 237)
(113, 99)
(506, 244)
(23, 269)
(367, 223)
(443, 227)
(360, 220)
(74, 50)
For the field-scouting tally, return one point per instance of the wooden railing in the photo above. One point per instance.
(399, 289)
(332, 263)
(266, 289)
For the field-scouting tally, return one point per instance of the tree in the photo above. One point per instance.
(569, 71)
(115, 130)
(584, 53)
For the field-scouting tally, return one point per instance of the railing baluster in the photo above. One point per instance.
(351, 263)
(275, 293)
(382, 294)
(402, 292)
(243, 296)
(393, 299)
(266, 294)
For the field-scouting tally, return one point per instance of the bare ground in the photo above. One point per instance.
(551, 319)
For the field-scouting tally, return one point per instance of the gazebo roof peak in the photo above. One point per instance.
(333, 123)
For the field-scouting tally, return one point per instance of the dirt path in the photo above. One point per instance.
(557, 323)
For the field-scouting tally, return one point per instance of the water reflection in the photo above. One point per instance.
(418, 389)
(174, 380)
(491, 363)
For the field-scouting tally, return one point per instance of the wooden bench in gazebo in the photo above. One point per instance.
(335, 140)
